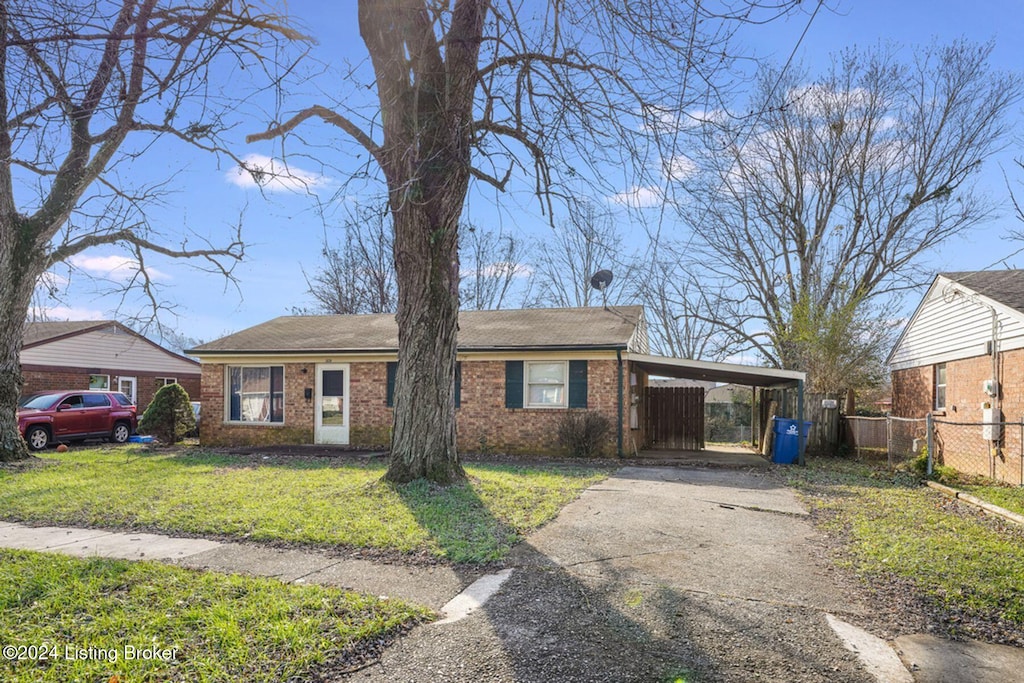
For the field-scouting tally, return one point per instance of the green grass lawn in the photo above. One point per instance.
(67, 619)
(895, 525)
(1008, 497)
(312, 502)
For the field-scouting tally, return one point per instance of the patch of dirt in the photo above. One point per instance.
(32, 463)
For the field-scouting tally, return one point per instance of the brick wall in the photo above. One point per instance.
(912, 392)
(486, 425)
(483, 421)
(961, 445)
(913, 389)
(39, 378)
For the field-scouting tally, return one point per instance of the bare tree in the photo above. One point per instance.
(492, 269)
(77, 79)
(480, 89)
(681, 310)
(811, 219)
(358, 276)
(568, 257)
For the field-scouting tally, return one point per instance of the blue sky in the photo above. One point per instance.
(285, 226)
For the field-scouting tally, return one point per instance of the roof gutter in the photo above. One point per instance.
(392, 349)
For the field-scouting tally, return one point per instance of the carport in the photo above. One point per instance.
(728, 373)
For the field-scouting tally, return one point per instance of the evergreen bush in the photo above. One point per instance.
(169, 417)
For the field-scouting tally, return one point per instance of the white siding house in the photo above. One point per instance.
(101, 355)
(954, 321)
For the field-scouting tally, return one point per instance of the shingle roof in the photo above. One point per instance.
(569, 328)
(1004, 286)
(39, 332)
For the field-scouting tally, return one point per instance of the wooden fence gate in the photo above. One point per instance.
(675, 417)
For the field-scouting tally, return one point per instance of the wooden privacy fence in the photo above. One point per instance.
(675, 417)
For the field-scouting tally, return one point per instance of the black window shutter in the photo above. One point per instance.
(513, 384)
(458, 384)
(392, 370)
(577, 384)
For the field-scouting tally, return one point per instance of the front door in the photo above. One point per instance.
(126, 385)
(332, 404)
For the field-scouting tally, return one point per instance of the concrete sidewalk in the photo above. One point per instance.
(430, 586)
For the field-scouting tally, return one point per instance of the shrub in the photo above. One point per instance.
(169, 417)
(584, 433)
(940, 473)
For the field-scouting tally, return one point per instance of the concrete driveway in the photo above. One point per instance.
(715, 531)
(654, 574)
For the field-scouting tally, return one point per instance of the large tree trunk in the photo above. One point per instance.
(426, 95)
(426, 255)
(17, 281)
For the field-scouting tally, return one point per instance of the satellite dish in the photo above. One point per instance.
(600, 281)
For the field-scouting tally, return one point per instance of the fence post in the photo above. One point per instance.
(931, 442)
(888, 439)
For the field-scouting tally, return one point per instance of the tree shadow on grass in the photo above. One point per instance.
(459, 522)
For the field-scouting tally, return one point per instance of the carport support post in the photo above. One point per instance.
(801, 436)
(618, 355)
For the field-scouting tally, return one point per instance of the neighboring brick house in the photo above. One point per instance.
(101, 354)
(329, 379)
(961, 358)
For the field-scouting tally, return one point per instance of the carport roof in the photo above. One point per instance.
(747, 375)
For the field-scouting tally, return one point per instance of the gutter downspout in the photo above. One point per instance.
(618, 356)
(801, 437)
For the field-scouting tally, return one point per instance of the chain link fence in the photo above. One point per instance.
(992, 450)
(906, 438)
(867, 436)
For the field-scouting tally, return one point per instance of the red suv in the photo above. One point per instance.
(67, 415)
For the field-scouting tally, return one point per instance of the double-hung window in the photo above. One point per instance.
(256, 394)
(940, 386)
(545, 384)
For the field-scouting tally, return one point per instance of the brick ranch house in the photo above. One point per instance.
(961, 358)
(329, 379)
(101, 354)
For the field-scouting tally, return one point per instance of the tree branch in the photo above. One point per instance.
(328, 116)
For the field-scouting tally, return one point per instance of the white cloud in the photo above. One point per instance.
(679, 167)
(638, 197)
(816, 100)
(696, 117)
(114, 267)
(275, 175)
(50, 280)
(66, 313)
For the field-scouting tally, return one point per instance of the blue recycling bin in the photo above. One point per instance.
(786, 449)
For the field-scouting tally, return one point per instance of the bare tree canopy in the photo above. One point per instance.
(490, 91)
(77, 79)
(359, 275)
(563, 263)
(492, 267)
(682, 321)
(817, 215)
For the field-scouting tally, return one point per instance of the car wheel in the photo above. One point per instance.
(120, 433)
(37, 438)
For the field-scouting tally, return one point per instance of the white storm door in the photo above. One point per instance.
(332, 404)
(126, 385)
